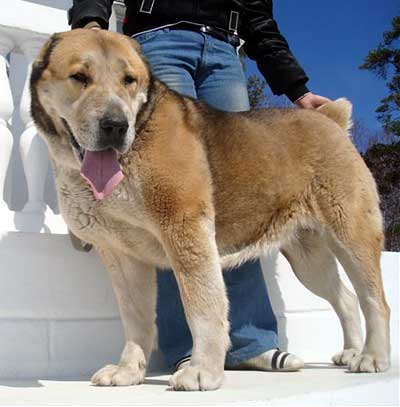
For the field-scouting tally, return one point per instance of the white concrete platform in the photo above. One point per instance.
(59, 321)
(316, 385)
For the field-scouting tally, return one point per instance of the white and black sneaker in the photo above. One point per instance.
(182, 363)
(272, 360)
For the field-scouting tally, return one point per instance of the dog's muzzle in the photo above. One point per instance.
(100, 167)
(112, 133)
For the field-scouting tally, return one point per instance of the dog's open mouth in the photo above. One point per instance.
(100, 169)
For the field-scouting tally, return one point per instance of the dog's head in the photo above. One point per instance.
(87, 88)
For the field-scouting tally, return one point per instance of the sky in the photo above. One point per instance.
(330, 40)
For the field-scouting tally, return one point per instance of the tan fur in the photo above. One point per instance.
(203, 187)
(339, 111)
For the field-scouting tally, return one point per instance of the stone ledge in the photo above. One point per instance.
(43, 277)
(22, 15)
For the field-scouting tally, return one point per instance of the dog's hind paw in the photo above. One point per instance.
(113, 375)
(196, 378)
(344, 357)
(367, 363)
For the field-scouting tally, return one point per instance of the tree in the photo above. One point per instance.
(259, 94)
(360, 134)
(256, 89)
(384, 61)
(383, 161)
(364, 138)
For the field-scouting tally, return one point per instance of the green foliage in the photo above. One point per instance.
(384, 61)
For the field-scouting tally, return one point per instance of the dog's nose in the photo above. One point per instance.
(113, 131)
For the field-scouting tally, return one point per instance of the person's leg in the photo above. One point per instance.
(220, 79)
(173, 59)
(221, 83)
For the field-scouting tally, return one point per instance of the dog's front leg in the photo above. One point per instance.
(192, 250)
(134, 285)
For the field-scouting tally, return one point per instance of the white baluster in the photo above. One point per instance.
(25, 26)
(6, 138)
(32, 148)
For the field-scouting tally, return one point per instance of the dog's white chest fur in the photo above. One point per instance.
(118, 221)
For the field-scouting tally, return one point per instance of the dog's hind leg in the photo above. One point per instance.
(358, 249)
(135, 287)
(315, 266)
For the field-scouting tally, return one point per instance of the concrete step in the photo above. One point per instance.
(59, 320)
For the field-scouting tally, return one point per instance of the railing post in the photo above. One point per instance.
(33, 151)
(6, 138)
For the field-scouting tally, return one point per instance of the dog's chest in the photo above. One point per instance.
(119, 221)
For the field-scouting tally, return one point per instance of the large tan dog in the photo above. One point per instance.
(152, 178)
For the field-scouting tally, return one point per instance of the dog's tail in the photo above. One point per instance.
(339, 111)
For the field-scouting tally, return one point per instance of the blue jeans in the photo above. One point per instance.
(203, 67)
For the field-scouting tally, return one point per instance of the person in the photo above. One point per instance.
(192, 46)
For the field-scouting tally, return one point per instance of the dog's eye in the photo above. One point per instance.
(128, 80)
(81, 78)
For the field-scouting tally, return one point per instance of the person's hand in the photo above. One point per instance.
(311, 101)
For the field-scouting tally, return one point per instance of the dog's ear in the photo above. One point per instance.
(40, 117)
(135, 45)
(42, 60)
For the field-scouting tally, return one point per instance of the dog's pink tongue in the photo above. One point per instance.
(102, 171)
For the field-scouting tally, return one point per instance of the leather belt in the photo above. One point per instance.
(218, 33)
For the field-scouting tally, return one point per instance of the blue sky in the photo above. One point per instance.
(330, 40)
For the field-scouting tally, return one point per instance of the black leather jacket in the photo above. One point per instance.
(251, 19)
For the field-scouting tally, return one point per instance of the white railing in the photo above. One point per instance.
(26, 189)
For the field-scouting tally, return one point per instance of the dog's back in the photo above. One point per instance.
(277, 168)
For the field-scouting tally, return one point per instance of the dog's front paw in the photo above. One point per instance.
(344, 357)
(114, 375)
(368, 363)
(195, 378)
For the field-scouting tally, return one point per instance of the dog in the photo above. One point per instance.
(155, 179)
